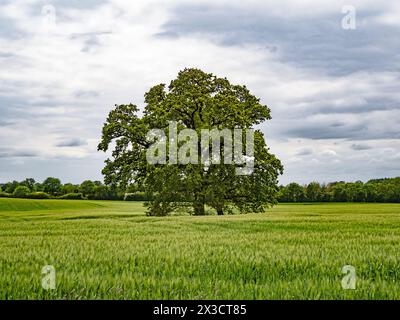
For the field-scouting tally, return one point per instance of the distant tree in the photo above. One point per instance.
(371, 192)
(97, 183)
(11, 186)
(52, 185)
(101, 192)
(21, 192)
(392, 192)
(313, 192)
(69, 188)
(87, 188)
(356, 192)
(339, 193)
(325, 194)
(38, 186)
(29, 183)
(296, 192)
(376, 190)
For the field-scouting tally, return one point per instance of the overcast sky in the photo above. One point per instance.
(334, 92)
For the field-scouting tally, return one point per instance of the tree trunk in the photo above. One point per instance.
(220, 211)
(198, 207)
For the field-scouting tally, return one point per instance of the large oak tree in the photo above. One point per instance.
(195, 100)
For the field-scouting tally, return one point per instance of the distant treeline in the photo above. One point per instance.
(53, 188)
(378, 190)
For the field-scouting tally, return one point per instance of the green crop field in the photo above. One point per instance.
(111, 250)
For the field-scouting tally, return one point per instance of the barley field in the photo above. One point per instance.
(111, 250)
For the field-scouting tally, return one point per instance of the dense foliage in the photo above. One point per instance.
(53, 188)
(377, 190)
(197, 101)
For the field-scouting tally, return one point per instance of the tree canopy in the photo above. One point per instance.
(194, 100)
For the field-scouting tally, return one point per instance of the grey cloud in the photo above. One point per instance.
(337, 124)
(304, 151)
(167, 35)
(388, 102)
(86, 94)
(90, 39)
(359, 131)
(15, 109)
(8, 28)
(11, 153)
(318, 43)
(5, 55)
(76, 142)
(321, 131)
(360, 147)
(9, 108)
(6, 123)
(90, 43)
